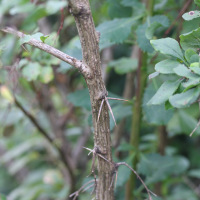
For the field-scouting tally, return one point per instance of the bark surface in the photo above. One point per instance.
(89, 38)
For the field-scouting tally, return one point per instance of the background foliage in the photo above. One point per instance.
(30, 168)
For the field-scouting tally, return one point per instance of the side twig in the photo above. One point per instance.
(75, 194)
(83, 68)
(116, 166)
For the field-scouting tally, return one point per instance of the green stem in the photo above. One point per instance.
(137, 111)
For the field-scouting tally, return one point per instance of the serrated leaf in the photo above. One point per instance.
(191, 15)
(31, 71)
(117, 30)
(157, 167)
(189, 53)
(124, 65)
(117, 10)
(43, 38)
(151, 29)
(190, 40)
(24, 39)
(168, 46)
(167, 66)
(142, 41)
(185, 99)
(164, 92)
(195, 68)
(183, 71)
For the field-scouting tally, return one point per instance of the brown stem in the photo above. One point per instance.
(162, 143)
(51, 141)
(185, 7)
(89, 38)
(53, 51)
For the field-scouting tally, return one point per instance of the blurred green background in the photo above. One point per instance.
(30, 167)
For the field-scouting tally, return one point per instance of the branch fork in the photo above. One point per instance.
(115, 171)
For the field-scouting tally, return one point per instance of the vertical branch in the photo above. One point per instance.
(127, 94)
(89, 38)
(162, 143)
(137, 110)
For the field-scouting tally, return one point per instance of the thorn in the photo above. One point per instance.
(117, 99)
(110, 110)
(100, 110)
(195, 128)
(24, 48)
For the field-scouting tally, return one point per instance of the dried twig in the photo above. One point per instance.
(75, 194)
(116, 166)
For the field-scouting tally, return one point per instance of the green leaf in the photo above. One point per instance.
(46, 74)
(195, 173)
(194, 58)
(185, 99)
(166, 90)
(43, 38)
(187, 123)
(117, 10)
(190, 40)
(24, 39)
(37, 14)
(84, 101)
(37, 36)
(197, 2)
(115, 31)
(2, 197)
(190, 83)
(168, 105)
(31, 71)
(167, 66)
(53, 7)
(124, 65)
(25, 8)
(151, 29)
(142, 40)
(189, 53)
(161, 116)
(183, 71)
(132, 3)
(157, 167)
(191, 15)
(195, 68)
(168, 46)
(125, 147)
